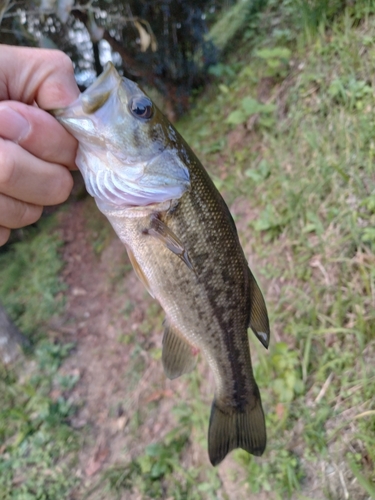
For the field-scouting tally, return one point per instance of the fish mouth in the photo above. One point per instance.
(98, 93)
(94, 97)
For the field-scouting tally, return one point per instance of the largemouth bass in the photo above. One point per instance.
(182, 243)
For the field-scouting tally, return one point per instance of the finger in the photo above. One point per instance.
(15, 213)
(29, 179)
(37, 132)
(4, 235)
(40, 75)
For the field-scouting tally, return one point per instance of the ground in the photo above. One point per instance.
(286, 130)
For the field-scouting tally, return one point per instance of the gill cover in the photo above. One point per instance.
(127, 148)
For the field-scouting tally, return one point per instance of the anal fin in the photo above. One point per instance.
(178, 356)
(258, 316)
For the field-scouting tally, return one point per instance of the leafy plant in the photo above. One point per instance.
(147, 473)
(276, 59)
(250, 107)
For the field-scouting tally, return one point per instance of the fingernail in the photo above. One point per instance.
(13, 126)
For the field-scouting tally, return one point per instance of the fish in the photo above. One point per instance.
(183, 244)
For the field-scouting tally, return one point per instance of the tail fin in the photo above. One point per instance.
(230, 429)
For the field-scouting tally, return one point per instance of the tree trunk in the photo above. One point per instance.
(11, 339)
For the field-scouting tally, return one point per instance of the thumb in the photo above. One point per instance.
(37, 75)
(37, 132)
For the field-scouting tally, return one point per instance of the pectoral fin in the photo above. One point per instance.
(162, 232)
(138, 271)
(258, 317)
(178, 356)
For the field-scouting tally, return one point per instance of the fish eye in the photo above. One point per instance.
(141, 107)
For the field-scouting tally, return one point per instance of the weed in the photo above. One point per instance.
(158, 473)
(277, 60)
(250, 107)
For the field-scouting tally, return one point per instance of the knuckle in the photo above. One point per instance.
(7, 166)
(63, 186)
(4, 235)
(60, 60)
(63, 61)
(29, 214)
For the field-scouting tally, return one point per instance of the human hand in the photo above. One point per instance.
(36, 152)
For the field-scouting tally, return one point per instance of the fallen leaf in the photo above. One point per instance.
(155, 396)
(280, 410)
(121, 422)
(96, 462)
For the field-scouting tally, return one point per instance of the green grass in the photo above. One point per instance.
(37, 445)
(30, 287)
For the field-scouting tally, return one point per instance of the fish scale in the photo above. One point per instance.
(183, 244)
